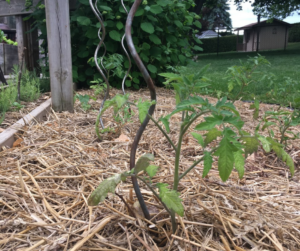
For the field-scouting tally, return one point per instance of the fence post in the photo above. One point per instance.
(60, 58)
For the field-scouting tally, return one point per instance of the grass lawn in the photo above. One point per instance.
(283, 64)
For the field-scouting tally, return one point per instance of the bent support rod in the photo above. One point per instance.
(101, 38)
(151, 87)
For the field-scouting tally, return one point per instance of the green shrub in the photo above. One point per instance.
(162, 33)
(294, 33)
(227, 43)
(7, 97)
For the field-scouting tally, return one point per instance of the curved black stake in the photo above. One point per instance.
(151, 87)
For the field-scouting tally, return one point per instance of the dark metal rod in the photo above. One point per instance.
(151, 87)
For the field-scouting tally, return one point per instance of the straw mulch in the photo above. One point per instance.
(46, 179)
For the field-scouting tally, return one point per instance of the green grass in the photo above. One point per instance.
(283, 64)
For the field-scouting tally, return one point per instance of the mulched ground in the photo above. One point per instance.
(46, 179)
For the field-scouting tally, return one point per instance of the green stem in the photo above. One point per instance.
(155, 193)
(177, 158)
(97, 125)
(192, 166)
(163, 131)
(193, 120)
(173, 220)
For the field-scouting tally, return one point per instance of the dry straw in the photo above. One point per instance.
(45, 183)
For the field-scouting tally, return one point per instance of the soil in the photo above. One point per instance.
(47, 177)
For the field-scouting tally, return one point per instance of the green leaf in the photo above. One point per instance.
(143, 107)
(115, 35)
(178, 23)
(155, 39)
(199, 138)
(210, 122)
(147, 27)
(267, 124)
(197, 48)
(251, 144)
(106, 8)
(165, 121)
(156, 9)
(120, 25)
(255, 106)
(284, 156)
(239, 163)
(198, 24)
(226, 158)
(139, 12)
(106, 186)
(152, 68)
(212, 135)
(208, 160)
(171, 199)
(152, 170)
(83, 20)
(146, 46)
(143, 162)
(265, 143)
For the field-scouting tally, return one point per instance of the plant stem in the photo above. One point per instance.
(193, 120)
(177, 158)
(155, 193)
(192, 166)
(173, 220)
(163, 131)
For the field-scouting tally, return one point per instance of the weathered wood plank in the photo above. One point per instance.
(17, 7)
(60, 59)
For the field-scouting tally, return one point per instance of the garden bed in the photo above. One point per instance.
(14, 114)
(47, 178)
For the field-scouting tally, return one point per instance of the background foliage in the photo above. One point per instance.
(294, 33)
(227, 43)
(161, 30)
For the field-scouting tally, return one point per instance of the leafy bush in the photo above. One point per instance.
(227, 43)
(294, 33)
(30, 84)
(7, 97)
(162, 33)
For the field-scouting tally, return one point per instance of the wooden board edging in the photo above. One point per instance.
(7, 138)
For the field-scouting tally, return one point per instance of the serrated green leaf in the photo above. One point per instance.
(152, 170)
(239, 163)
(265, 143)
(290, 163)
(106, 186)
(251, 144)
(199, 138)
(143, 107)
(147, 27)
(225, 152)
(212, 135)
(143, 162)
(210, 122)
(165, 121)
(171, 199)
(208, 160)
(267, 124)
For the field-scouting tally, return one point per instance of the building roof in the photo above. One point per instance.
(263, 23)
(207, 34)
